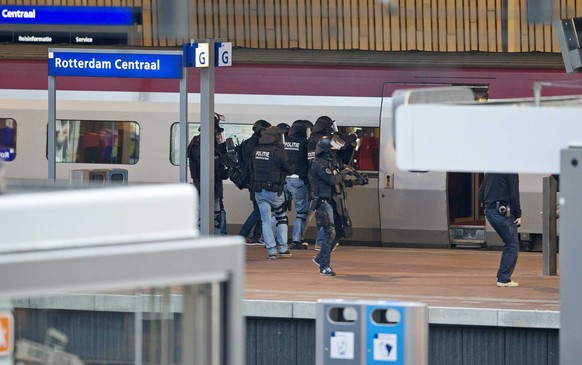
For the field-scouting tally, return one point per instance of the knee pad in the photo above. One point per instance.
(282, 220)
(217, 218)
(281, 209)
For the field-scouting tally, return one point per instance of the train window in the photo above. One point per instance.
(367, 154)
(238, 132)
(95, 141)
(7, 139)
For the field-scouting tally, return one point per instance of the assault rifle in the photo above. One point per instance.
(231, 160)
(360, 177)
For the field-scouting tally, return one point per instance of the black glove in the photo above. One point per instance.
(360, 133)
(347, 171)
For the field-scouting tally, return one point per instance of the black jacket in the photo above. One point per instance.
(502, 188)
(324, 175)
(296, 149)
(220, 169)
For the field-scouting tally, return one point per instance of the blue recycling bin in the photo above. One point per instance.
(396, 333)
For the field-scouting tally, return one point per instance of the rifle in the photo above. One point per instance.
(360, 177)
(230, 159)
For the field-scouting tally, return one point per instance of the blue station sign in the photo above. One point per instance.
(116, 64)
(68, 15)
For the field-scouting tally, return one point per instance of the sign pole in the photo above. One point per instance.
(207, 141)
(51, 129)
(184, 125)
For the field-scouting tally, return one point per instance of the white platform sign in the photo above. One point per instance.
(201, 55)
(224, 54)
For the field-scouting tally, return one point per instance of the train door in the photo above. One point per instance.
(466, 218)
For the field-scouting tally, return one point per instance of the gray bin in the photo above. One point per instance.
(371, 332)
(339, 332)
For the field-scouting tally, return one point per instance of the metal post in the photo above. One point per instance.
(184, 125)
(138, 328)
(537, 93)
(196, 325)
(51, 129)
(570, 256)
(549, 226)
(207, 144)
(234, 327)
(166, 326)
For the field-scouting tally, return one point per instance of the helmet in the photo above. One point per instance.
(323, 123)
(260, 125)
(323, 145)
(283, 128)
(298, 127)
(271, 135)
(217, 127)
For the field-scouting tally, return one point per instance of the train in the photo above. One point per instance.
(132, 125)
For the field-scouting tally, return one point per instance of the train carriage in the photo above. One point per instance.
(133, 125)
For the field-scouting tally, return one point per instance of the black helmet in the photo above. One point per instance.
(298, 127)
(283, 128)
(217, 127)
(260, 125)
(271, 135)
(323, 145)
(323, 123)
(308, 124)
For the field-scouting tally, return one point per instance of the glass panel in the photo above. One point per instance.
(238, 132)
(90, 141)
(367, 154)
(134, 326)
(7, 139)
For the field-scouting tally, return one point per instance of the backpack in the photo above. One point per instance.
(239, 173)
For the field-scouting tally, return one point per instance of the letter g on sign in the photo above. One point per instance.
(202, 55)
(224, 54)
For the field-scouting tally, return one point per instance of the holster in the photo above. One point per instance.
(314, 203)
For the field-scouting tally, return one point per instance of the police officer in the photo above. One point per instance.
(499, 196)
(270, 166)
(284, 128)
(296, 186)
(247, 148)
(326, 177)
(220, 172)
(325, 126)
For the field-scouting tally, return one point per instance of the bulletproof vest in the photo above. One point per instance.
(296, 149)
(322, 188)
(265, 169)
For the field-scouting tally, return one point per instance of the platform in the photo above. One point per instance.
(458, 285)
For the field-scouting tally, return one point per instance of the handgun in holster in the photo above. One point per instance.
(314, 203)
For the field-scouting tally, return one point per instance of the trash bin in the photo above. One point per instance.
(396, 333)
(79, 177)
(117, 176)
(340, 326)
(371, 332)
